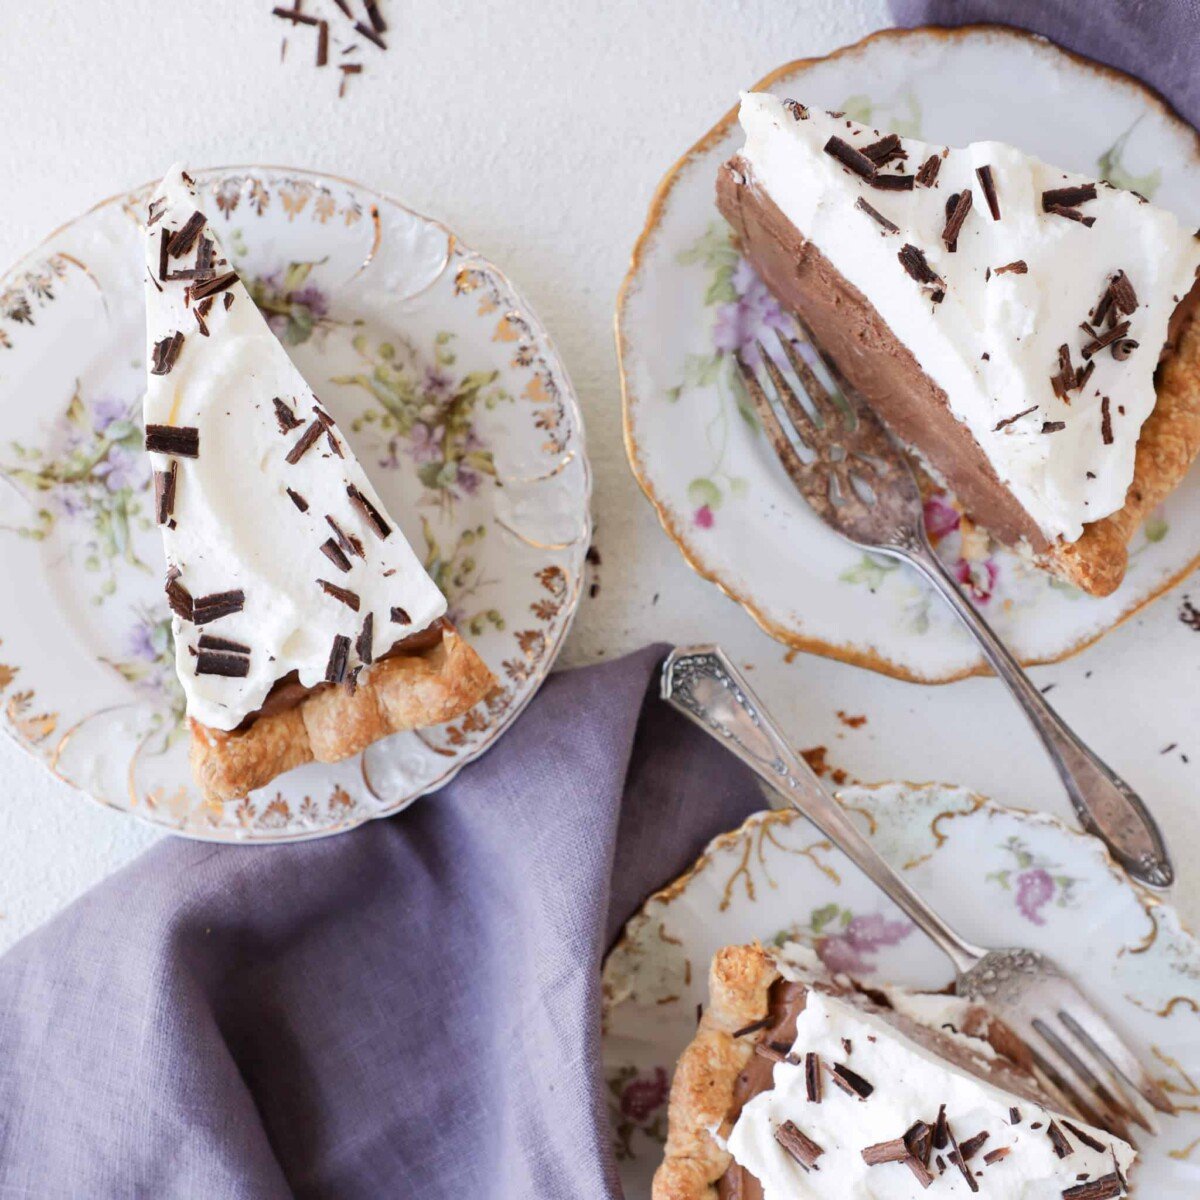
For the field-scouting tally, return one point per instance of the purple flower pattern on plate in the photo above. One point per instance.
(1034, 881)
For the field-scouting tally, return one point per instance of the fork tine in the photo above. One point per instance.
(799, 416)
(823, 402)
(1093, 1031)
(1091, 1074)
(1067, 1096)
(793, 464)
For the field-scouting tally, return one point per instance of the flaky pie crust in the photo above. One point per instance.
(406, 691)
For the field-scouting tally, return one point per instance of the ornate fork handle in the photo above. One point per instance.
(1106, 805)
(703, 684)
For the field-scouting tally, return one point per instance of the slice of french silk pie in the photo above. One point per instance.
(1027, 331)
(305, 626)
(799, 1085)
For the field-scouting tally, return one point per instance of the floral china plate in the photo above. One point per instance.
(452, 397)
(689, 303)
(1003, 876)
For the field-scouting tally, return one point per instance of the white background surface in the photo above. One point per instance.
(538, 130)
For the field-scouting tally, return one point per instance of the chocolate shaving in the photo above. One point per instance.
(210, 287)
(182, 241)
(208, 642)
(973, 1145)
(1014, 1116)
(923, 1174)
(400, 616)
(322, 43)
(1114, 334)
(915, 263)
(204, 254)
(1106, 430)
(1107, 1187)
(365, 643)
(941, 1130)
(370, 35)
(885, 1152)
(799, 111)
(984, 175)
(216, 662)
(229, 298)
(812, 1077)
(166, 353)
(892, 183)
(919, 1140)
(773, 1051)
(928, 172)
(345, 595)
(374, 16)
(285, 416)
(217, 605)
(179, 599)
(1122, 293)
(1085, 1137)
(852, 1083)
(954, 223)
(163, 242)
(1018, 267)
(335, 554)
(1072, 214)
(876, 215)
(183, 440)
(802, 1148)
(1058, 1139)
(753, 1027)
(849, 157)
(165, 483)
(305, 442)
(155, 211)
(339, 655)
(995, 1156)
(957, 1159)
(347, 541)
(200, 312)
(295, 16)
(371, 514)
(999, 425)
(1123, 349)
(1053, 426)
(884, 150)
(1067, 197)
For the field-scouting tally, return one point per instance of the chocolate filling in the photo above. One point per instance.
(874, 360)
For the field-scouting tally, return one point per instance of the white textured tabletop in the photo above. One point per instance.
(538, 130)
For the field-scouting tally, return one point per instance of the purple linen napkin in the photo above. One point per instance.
(1156, 40)
(407, 1010)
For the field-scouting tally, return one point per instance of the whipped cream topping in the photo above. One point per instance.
(909, 1083)
(992, 340)
(260, 497)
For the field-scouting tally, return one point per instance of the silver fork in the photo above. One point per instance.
(1084, 1063)
(859, 482)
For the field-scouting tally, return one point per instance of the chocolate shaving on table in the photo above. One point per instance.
(1017, 267)
(179, 599)
(400, 616)
(801, 1147)
(954, 222)
(371, 514)
(928, 172)
(1086, 1138)
(217, 605)
(345, 595)
(1107, 1187)
(995, 1156)
(322, 43)
(365, 645)
(200, 312)
(876, 215)
(285, 416)
(849, 157)
(851, 1082)
(891, 1151)
(295, 16)
(913, 260)
(210, 287)
(182, 241)
(370, 35)
(956, 1158)
(304, 443)
(984, 175)
(1110, 335)
(1067, 197)
(799, 111)
(753, 1027)
(812, 1077)
(1059, 1140)
(217, 662)
(183, 440)
(1053, 426)
(335, 554)
(166, 353)
(208, 642)
(375, 16)
(339, 656)
(999, 425)
(884, 150)
(1106, 431)
(347, 541)
(165, 483)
